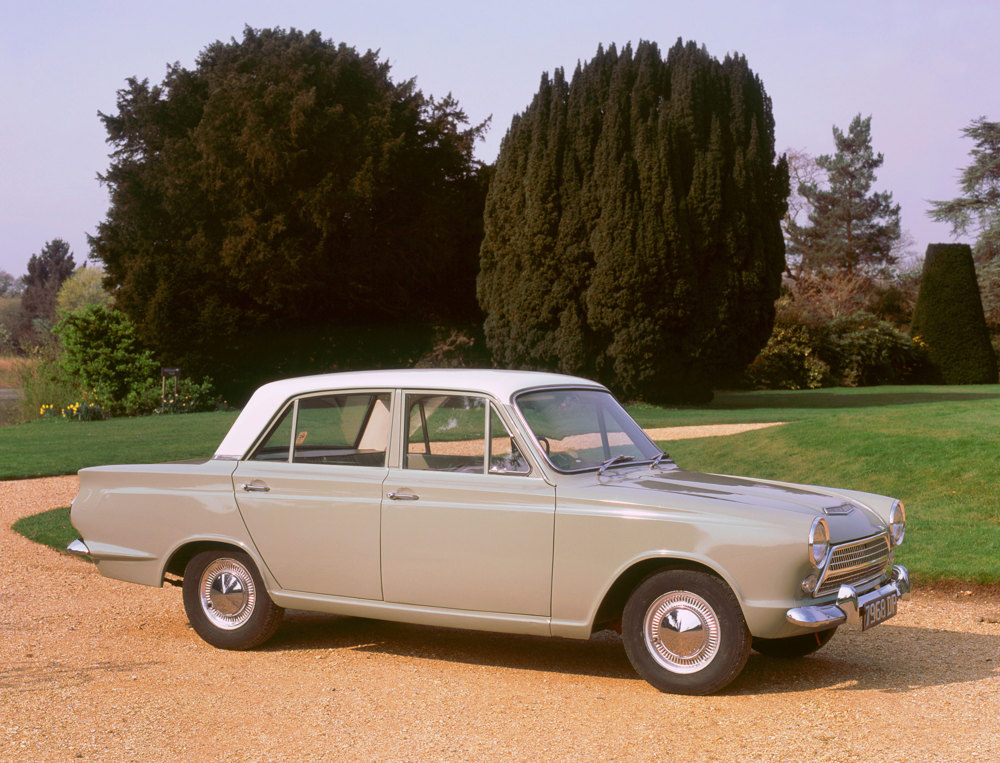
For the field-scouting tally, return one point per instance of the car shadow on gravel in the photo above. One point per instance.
(601, 656)
(891, 659)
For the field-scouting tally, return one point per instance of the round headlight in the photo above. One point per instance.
(819, 541)
(897, 522)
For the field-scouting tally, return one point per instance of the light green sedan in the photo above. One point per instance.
(506, 501)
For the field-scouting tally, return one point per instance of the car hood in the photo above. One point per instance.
(673, 488)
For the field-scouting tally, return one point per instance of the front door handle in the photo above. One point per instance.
(255, 487)
(403, 497)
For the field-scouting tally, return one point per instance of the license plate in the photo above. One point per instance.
(878, 611)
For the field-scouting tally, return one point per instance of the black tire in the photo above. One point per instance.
(793, 646)
(226, 602)
(684, 632)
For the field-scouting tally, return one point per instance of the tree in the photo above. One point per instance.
(286, 184)
(948, 317)
(802, 171)
(47, 271)
(81, 289)
(10, 286)
(850, 228)
(977, 210)
(632, 230)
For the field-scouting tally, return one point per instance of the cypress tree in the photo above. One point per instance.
(948, 317)
(660, 257)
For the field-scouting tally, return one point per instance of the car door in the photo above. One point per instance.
(466, 524)
(310, 493)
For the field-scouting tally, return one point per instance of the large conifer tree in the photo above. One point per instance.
(285, 185)
(632, 230)
(851, 228)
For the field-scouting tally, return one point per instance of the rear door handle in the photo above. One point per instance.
(255, 487)
(403, 497)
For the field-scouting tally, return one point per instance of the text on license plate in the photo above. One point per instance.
(878, 611)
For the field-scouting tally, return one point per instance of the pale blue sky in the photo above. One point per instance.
(922, 69)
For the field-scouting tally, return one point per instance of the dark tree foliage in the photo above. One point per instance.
(632, 229)
(286, 183)
(46, 272)
(977, 210)
(948, 318)
(850, 228)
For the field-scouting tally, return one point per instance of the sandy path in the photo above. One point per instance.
(92, 668)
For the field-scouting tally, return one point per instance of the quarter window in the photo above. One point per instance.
(278, 441)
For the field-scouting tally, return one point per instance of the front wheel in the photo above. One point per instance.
(226, 602)
(793, 646)
(684, 632)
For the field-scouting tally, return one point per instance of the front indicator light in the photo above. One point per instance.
(897, 522)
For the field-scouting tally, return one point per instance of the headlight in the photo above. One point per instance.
(819, 542)
(897, 522)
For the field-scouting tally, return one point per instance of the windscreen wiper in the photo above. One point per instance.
(619, 459)
(656, 461)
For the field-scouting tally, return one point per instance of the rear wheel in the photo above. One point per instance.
(226, 602)
(793, 646)
(684, 632)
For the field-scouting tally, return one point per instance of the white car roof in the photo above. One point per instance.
(264, 403)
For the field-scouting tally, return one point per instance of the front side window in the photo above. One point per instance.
(583, 429)
(445, 433)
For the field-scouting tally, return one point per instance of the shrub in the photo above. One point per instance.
(789, 361)
(863, 351)
(189, 398)
(101, 352)
(949, 318)
(44, 382)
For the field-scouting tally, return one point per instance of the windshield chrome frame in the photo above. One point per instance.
(530, 433)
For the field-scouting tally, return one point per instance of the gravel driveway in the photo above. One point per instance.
(99, 669)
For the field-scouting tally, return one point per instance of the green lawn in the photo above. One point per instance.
(936, 448)
(45, 448)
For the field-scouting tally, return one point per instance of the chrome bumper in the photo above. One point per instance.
(847, 607)
(79, 548)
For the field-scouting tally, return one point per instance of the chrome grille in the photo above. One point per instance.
(855, 563)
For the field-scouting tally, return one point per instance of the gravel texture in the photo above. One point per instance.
(94, 668)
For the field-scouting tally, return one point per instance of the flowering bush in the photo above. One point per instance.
(189, 398)
(73, 412)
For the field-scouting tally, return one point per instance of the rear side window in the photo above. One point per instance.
(349, 429)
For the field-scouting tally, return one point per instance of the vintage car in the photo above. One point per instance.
(507, 501)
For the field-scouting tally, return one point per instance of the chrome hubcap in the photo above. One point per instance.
(227, 593)
(681, 631)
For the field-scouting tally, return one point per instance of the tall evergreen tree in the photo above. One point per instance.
(47, 271)
(948, 318)
(283, 184)
(850, 228)
(632, 228)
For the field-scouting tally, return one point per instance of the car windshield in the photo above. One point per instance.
(580, 429)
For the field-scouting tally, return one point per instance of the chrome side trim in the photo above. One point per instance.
(78, 547)
(847, 607)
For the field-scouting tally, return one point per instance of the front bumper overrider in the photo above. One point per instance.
(847, 607)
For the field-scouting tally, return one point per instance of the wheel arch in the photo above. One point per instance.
(186, 551)
(609, 611)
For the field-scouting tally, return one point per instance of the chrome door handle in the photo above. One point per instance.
(254, 487)
(403, 497)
